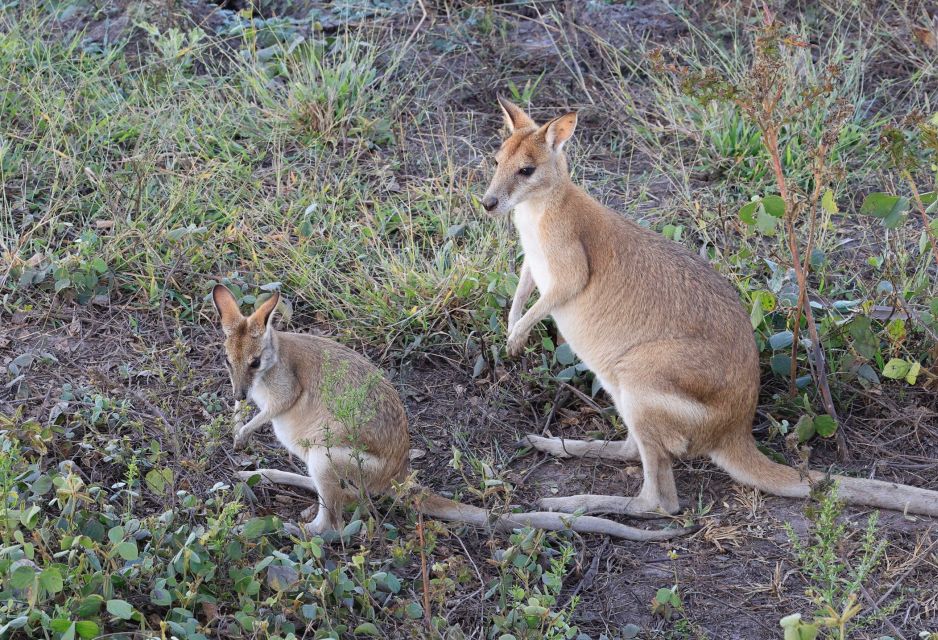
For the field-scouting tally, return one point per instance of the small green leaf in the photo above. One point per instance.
(256, 527)
(51, 580)
(281, 578)
(128, 550)
(161, 597)
(864, 340)
(564, 354)
(766, 223)
(748, 212)
(115, 534)
(866, 372)
(87, 629)
(885, 206)
(663, 595)
(120, 609)
(566, 374)
(896, 369)
(367, 629)
(60, 625)
(22, 577)
(826, 426)
(914, 370)
(781, 340)
(774, 206)
(781, 364)
(828, 203)
(756, 315)
(159, 480)
(805, 428)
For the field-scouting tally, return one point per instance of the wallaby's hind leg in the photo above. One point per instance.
(604, 449)
(658, 494)
(332, 499)
(331, 496)
(276, 476)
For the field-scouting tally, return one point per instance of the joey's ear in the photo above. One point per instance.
(515, 117)
(559, 130)
(227, 308)
(264, 316)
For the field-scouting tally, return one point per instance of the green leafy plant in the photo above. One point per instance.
(910, 149)
(776, 101)
(527, 593)
(835, 580)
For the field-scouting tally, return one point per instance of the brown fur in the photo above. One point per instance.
(664, 333)
(288, 385)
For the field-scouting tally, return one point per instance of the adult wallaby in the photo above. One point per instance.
(287, 375)
(664, 333)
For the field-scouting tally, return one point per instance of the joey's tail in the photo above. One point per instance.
(437, 506)
(747, 465)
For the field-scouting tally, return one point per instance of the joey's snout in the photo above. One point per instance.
(489, 203)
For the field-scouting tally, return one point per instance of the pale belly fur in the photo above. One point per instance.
(526, 222)
(280, 424)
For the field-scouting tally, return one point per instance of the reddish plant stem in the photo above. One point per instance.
(424, 574)
(819, 369)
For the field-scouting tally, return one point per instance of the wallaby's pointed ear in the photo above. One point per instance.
(515, 117)
(227, 308)
(264, 316)
(559, 130)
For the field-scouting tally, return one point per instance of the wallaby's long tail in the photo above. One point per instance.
(437, 506)
(747, 465)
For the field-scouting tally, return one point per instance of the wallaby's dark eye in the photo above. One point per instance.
(526, 171)
(255, 363)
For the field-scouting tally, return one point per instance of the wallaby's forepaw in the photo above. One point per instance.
(516, 342)
(241, 438)
(513, 322)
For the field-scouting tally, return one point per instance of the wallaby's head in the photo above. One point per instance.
(250, 343)
(530, 162)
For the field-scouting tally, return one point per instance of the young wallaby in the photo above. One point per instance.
(664, 333)
(284, 375)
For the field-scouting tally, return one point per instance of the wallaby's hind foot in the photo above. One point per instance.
(276, 476)
(638, 506)
(603, 449)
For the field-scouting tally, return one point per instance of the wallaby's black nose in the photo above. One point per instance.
(242, 394)
(489, 202)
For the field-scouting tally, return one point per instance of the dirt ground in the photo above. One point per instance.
(736, 574)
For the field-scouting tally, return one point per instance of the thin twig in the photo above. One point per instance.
(424, 575)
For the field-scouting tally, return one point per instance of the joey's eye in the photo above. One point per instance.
(495, 162)
(255, 363)
(526, 171)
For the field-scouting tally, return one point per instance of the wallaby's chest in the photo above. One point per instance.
(527, 222)
(293, 432)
